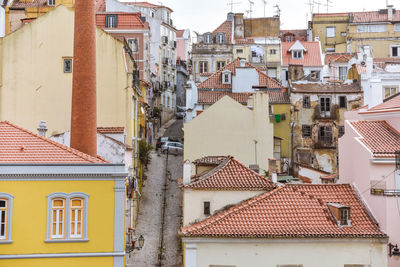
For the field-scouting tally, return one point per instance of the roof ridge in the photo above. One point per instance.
(253, 172)
(69, 149)
(232, 210)
(212, 172)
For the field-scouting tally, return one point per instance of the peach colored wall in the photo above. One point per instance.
(181, 48)
(355, 167)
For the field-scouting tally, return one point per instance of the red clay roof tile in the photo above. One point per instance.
(290, 211)
(380, 138)
(18, 145)
(392, 104)
(209, 160)
(225, 27)
(325, 88)
(311, 58)
(230, 174)
(111, 130)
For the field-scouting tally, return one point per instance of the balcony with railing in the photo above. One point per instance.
(325, 114)
(385, 192)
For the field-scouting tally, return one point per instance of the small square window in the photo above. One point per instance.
(306, 101)
(206, 207)
(67, 65)
(297, 54)
(342, 102)
(272, 51)
(239, 51)
(51, 2)
(306, 130)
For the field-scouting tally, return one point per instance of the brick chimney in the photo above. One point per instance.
(83, 112)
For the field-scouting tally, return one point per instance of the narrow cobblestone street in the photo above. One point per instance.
(151, 206)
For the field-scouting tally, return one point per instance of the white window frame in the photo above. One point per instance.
(297, 54)
(51, 2)
(130, 42)
(391, 88)
(397, 27)
(377, 28)
(202, 68)
(6, 239)
(74, 221)
(67, 213)
(361, 28)
(398, 50)
(226, 77)
(60, 212)
(330, 31)
(220, 65)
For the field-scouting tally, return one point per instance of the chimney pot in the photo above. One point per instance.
(42, 128)
(186, 172)
(242, 62)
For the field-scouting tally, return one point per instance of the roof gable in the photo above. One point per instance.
(311, 57)
(225, 27)
(18, 145)
(290, 211)
(297, 46)
(230, 174)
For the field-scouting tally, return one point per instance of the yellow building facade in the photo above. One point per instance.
(59, 206)
(282, 130)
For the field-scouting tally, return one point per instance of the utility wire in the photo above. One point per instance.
(369, 188)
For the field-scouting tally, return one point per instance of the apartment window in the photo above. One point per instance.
(342, 102)
(133, 44)
(220, 65)
(344, 216)
(272, 51)
(220, 38)
(342, 73)
(206, 207)
(341, 131)
(325, 134)
(306, 101)
(277, 148)
(208, 38)
(330, 32)
(67, 217)
(306, 131)
(226, 77)
(111, 21)
(6, 204)
(297, 54)
(239, 51)
(397, 27)
(389, 91)
(203, 66)
(67, 65)
(325, 104)
(289, 38)
(361, 28)
(395, 51)
(51, 2)
(377, 28)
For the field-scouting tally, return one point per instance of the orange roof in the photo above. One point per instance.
(124, 21)
(147, 4)
(210, 97)
(225, 27)
(391, 104)
(311, 58)
(230, 174)
(100, 5)
(18, 145)
(290, 211)
(111, 130)
(374, 16)
(338, 58)
(380, 138)
(209, 160)
(353, 88)
(215, 80)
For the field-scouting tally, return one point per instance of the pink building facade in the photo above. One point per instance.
(367, 159)
(183, 44)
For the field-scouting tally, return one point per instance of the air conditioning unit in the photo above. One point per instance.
(164, 40)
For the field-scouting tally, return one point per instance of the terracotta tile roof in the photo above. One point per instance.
(209, 160)
(380, 138)
(290, 211)
(18, 145)
(374, 16)
(179, 33)
(230, 174)
(338, 58)
(215, 80)
(210, 97)
(111, 130)
(225, 27)
(100, 5)
(28, 4)
(147, 4)
(392, 104)
(326, 88)
(311, 58)
(124, 21)
(206, 74)
(330, 14)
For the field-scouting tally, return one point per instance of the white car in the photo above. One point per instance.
(172, 148)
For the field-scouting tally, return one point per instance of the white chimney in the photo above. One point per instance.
(42, 128)
(369, 66)
(274, 177)
(186, 172)
(390, 12)
(242, 62)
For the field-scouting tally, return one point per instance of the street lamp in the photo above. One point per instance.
(393, 250)
(131, 246)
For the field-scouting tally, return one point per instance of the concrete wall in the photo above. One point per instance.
(193, 202)
(244, 79)
(272, 253)
(229, 128)
(257, 27)
(35, 88)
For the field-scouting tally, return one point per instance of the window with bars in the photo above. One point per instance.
(67, 65)
(306, 131)
(306, 101)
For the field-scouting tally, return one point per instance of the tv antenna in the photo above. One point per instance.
(318, 3)
(311, 6)
(265, 3)
(328, 2)
(278, 10)
(232, 4)
(251, 7)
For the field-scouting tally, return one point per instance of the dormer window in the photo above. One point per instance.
(340, 213)
(51, 2)
(208, 39)
(226, 77)
(297, 54)
(220, 38)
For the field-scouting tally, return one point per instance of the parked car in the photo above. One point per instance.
(161, 141)
(172, 148)
(180, 115)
